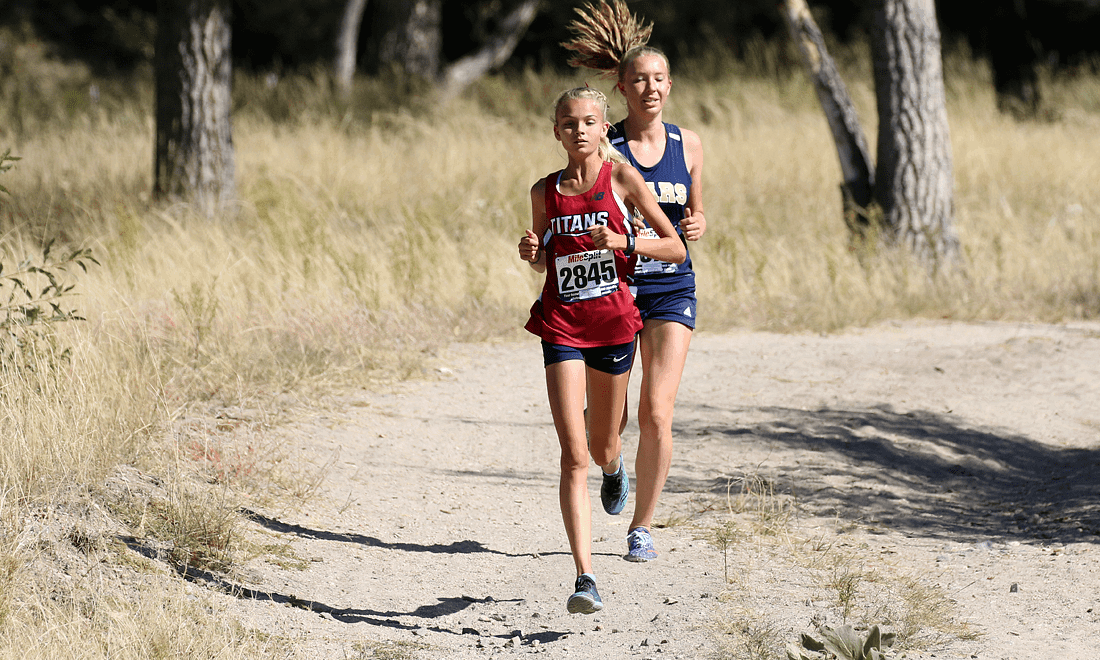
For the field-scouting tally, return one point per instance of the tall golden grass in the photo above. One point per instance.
(371, 233)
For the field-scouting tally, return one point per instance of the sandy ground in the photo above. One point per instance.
(961, 459)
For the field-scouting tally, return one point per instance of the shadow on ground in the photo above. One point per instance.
(917, 471)
(416, 619)
(454, 548)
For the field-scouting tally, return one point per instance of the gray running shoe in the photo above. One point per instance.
(615, 489)
(585, 598)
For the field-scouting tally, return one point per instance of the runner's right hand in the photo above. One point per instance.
(529, 247)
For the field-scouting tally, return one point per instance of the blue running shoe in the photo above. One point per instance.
(585, 600)
(639, 545)
(615, 489)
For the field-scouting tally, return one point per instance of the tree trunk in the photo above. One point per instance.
(347, 45)
(407, 36)
(914, 181)
(855, 157)
(194, 160)
(911, 198)
(459, 75)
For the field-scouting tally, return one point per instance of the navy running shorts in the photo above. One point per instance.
(612, 360)
(677, 306)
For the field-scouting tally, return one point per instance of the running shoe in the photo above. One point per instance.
(615, 489)
(585, 600)
(639, 545)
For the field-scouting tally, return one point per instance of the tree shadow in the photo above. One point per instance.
(464, 547)
(507, 475)
(919, 472)
(445, 606)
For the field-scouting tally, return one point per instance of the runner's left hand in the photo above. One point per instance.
(605, 239)
(694, 225)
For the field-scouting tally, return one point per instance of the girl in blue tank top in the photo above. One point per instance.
(609, 39)
(670, 182)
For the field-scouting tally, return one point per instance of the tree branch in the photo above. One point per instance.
(461, 73)
(855, 159)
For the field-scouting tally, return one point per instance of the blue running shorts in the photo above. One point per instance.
(677, 306)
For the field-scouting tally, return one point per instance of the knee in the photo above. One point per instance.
(655, 420)
(574, 461)
(606, 451)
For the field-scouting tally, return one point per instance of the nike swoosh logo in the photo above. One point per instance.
(618, 359)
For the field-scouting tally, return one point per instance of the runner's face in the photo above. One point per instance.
(645, 84)
(580, 126)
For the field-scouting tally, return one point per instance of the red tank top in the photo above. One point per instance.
(585, 301)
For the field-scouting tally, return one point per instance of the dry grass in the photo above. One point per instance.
(387, 650)
(371, 234)
(770, 512)
(160, 620)
(781, 585)
(782, 577)
(73, 586)
(748, 635)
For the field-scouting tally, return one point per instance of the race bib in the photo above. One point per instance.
(586, 275)
(647, 266)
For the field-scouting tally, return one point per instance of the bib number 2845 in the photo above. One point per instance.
(586, 275)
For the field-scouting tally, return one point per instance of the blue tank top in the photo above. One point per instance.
(670, 182)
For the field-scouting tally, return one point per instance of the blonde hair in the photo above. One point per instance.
(608, 38)
(641, 51)
(605, 150)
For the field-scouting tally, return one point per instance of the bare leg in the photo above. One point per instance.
(626, 403)
(606, 399)
(663, 346)
(566, 383)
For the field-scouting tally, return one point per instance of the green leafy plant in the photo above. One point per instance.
(31, 304)
(30, 298)
(843, 643)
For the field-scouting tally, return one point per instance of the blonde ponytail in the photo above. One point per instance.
(604, 34)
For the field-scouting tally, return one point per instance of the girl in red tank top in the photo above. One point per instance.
(585, 315)
(585, 301)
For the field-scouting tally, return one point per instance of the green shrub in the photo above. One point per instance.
(842, 643)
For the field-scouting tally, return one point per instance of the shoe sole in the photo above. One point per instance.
(639, 558)
(583, 604)
(615, 510)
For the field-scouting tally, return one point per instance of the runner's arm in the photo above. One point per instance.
(629, 185)
(530, 245)
(694, 223)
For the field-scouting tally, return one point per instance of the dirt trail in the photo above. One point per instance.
(965, 455)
